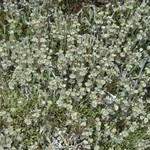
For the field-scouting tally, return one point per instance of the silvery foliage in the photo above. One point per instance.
(88, 64)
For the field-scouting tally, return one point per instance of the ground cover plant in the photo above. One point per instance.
(74, 79)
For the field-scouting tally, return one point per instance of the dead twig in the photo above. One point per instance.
(137, 78)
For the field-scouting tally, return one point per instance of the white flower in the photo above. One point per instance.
(105, 112)
(146, 120)
(139, 37)
(72, 76)
(125, 133)
(85, 142)
(83, 123)
(94, 103)
(74, 115)
(132, 129)
(116, 107)
(148, 47)
(42, 40)
(27, 121)
(114, 130)
(96, 147)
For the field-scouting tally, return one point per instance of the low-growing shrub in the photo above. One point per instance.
(74, 81)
